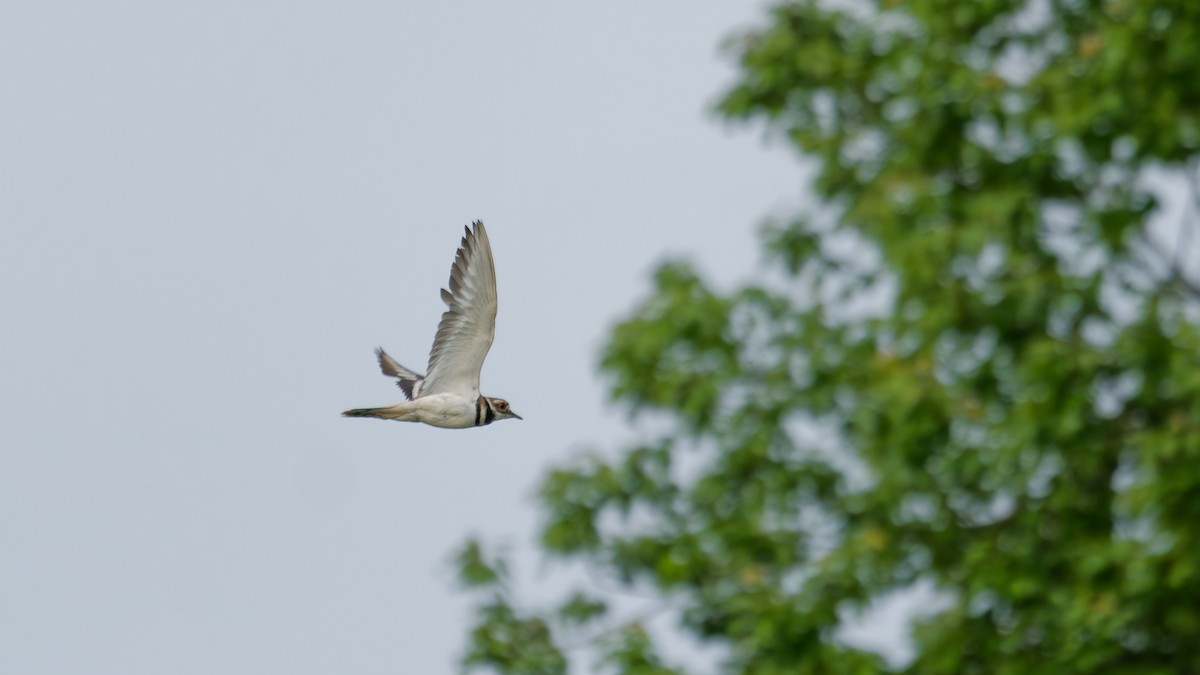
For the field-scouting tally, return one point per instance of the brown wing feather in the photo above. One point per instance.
(408, 381)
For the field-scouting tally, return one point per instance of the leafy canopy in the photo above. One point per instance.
(976, 365)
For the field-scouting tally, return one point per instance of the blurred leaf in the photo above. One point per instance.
(581, 609)
(474, 570)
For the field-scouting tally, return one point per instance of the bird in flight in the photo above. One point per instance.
(448, 395)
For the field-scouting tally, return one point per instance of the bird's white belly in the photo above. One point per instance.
(444, 410)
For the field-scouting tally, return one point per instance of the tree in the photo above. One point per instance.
(981, 368)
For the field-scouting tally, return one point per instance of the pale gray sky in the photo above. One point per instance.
(212, 212)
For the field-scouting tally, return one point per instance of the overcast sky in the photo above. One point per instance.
(213, 212)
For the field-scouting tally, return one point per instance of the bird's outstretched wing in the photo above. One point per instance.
(465, 333)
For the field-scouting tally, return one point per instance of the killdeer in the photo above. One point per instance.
(448, 396)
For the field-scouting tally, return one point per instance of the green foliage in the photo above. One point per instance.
(632, 652)
(510, 642)
(982, 370)
(475, 570)
(581, 609)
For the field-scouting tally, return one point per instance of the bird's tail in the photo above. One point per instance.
(381, 413)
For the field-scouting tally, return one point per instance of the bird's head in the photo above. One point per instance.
(502, 409)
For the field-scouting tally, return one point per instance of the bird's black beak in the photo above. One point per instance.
(516, 415)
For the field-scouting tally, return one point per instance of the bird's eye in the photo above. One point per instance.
(502, 406)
